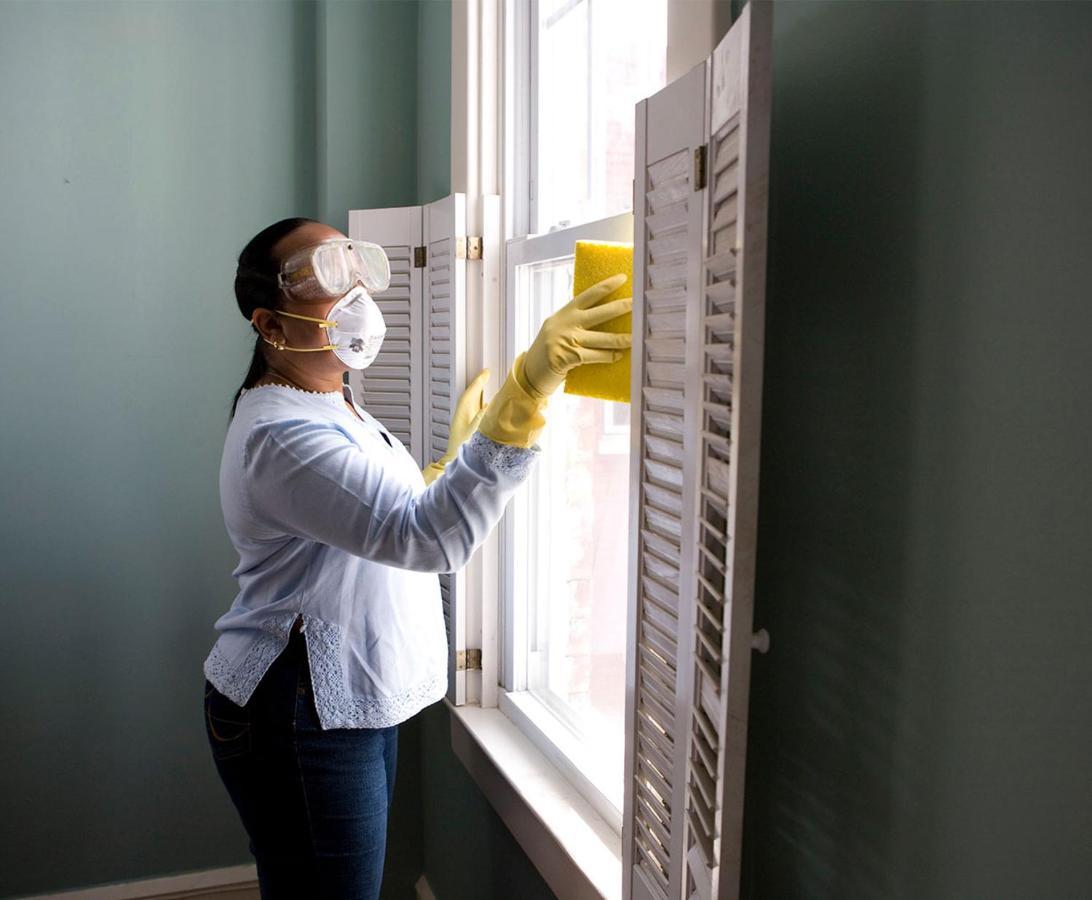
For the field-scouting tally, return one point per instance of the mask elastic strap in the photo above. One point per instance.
(279, 346)
(325, 323)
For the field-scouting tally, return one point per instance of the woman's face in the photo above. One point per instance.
(293, 332)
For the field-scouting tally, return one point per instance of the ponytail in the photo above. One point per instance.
(256, 288)
(258, 367)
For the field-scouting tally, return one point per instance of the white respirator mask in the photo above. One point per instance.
(354, 329)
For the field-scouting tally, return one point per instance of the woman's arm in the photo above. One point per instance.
(309, 479)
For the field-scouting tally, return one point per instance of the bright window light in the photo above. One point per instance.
(595, 60)
(573, 550)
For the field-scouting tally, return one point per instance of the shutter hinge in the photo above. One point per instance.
(699, 167)
(469, 247)
(420, 257)
(468, 659)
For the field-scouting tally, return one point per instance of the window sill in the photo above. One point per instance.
(577, 852)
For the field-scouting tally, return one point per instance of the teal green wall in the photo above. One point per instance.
(921, 726)
(469, 852)
(141, 145)
(367, 71)
(433, 100)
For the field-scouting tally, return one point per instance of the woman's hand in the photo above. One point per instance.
(468, 413)
(464, 422)
(564, 340)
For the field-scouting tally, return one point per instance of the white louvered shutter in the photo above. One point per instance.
(685, 835)
(666, 276)
(420, 372)
(732, 338)
(445, 379)
(391, 388)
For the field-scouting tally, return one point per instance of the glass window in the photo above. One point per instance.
(571, 550)
(577, 70)
(595, 60)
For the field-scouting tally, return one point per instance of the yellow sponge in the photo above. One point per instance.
(596, 260)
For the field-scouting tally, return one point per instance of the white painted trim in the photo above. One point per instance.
(477, 48)
(476, 109)
(190, 884)
(577, 853)
(516, 127)
(561, 243)
(561, 746)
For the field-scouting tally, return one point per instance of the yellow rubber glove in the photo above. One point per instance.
(464, 422)
(564, 341)
(514, 415)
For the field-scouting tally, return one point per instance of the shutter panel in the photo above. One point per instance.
(420, 372)
(667, 271)
(391, 388)
(445, 342)
(730, 403)
(700, 260)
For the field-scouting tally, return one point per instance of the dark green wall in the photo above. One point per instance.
(469, 852)
(141, 145)
(921, 727)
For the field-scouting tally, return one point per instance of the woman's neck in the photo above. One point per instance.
(306, 381)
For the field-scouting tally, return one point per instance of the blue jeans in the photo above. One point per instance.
(313, 802)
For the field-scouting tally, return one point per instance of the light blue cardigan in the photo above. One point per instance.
(334, 523)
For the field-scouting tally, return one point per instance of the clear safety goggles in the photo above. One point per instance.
(331, 268)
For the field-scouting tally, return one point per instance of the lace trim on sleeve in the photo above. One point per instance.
(513, 461)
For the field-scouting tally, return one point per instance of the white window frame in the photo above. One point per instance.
(542, 725)
(693, 29)
(520, 155)
(567, 839)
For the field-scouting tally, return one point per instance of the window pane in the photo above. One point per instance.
(596, 60)
(574, 546)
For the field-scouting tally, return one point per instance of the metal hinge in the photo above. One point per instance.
(699, 168)
(420, 257)
(468, 659)
(469, 247)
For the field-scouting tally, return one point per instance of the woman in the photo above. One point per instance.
(337, 632)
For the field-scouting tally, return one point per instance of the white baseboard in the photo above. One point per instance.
(234, 882)
(424, 890)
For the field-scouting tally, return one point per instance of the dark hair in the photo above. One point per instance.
(256, 287)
